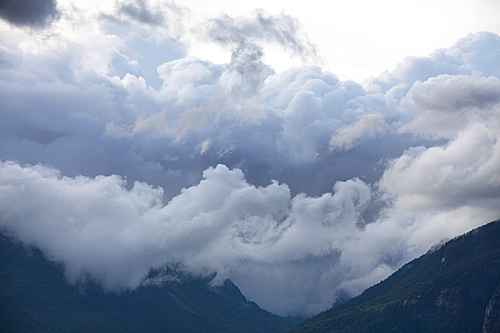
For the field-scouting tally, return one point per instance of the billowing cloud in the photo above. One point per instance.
(222, 224)
(282, 29)
(140, 11)
(465, 170)
(36, 14)
(121, 154)
(367, 125)
(245, 35)
(446, 105)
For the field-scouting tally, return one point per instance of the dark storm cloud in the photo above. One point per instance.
(245, 35)
(140, 10)
(281, 29)
(295, 185)
(31, 13)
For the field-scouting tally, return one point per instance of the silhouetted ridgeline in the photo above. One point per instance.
(34, 297)
(453, 289)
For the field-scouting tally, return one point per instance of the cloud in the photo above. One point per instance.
(245, 35)
(475, 52)
(282, 29)
(445, 105)
(463, 171)
(205, 146)
(121, 154)
(367, 125)
(138, 10)
(274, 246)
(158, 14)
(35, 14)
(223, 224)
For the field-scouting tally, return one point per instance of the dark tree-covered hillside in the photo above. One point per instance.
(453, 289)
(34, 297)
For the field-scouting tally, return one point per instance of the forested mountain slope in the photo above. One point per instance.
(34, 297)
(453, 289)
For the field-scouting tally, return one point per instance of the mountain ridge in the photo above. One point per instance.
(35, 297)
(449, 289)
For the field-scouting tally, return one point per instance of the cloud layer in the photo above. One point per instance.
(36, 14)
(120, 154)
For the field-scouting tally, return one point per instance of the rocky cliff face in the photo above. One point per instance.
(491, 323)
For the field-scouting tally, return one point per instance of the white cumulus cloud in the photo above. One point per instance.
(121, 154)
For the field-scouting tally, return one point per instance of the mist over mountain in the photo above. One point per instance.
(35, 297)
(453, 288)
(121, 153)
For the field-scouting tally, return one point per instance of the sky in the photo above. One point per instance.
(303, 152)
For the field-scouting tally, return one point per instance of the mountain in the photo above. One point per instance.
(34, 297)
(455, 288)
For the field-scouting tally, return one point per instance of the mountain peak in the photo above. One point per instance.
(36, 297)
